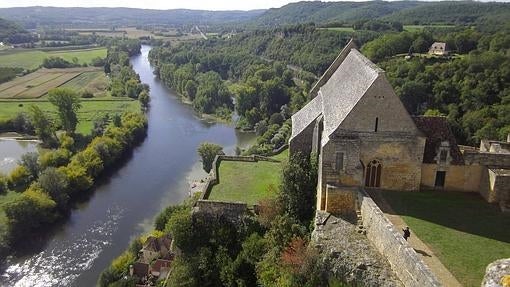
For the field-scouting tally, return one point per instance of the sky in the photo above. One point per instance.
(153, 4)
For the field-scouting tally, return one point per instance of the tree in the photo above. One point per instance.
(43, 126)
(144, 99)
(30, 161)
(67, 103)
(55, 183)
(208, 151)
(297, 189)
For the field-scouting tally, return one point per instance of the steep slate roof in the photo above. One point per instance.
(345, 88)
(437, 130)
(333, 67)
(304, 117)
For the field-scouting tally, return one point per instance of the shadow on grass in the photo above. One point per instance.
(466, 212)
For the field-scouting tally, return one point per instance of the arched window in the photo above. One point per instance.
(373, 174)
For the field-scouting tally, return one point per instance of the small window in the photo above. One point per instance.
(443, 155)
(339, 162)
(376, 124)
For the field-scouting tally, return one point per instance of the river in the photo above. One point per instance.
(124, 206)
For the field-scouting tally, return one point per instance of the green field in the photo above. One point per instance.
(464, 231)
(247, 181)
(91, 108)
(32, 58)
(415, 28)
(339, 29)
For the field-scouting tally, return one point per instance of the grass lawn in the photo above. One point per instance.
(247, 181)
(91, 108)
(464, 231)
(31, 58)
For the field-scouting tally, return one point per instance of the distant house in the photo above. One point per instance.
(438, 49)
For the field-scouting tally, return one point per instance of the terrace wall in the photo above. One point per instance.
(389, 242)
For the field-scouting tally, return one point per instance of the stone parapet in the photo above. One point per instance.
(406, 263)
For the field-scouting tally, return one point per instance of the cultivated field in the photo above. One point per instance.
(38, 83)
(32, 58)
(90, 110)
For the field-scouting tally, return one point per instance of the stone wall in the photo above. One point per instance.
(230, 210)
(496, 186)
(389, 242)
(464, 178)
(341, 201)
(487, 159)
(400, 156)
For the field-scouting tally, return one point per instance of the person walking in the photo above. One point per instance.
(407, 233)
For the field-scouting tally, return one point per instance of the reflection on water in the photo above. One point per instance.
(11, 151)
(63, 263)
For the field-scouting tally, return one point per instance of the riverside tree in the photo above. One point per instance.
(208, 151)
(67, 103)
(43, 126)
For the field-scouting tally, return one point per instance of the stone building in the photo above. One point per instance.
(364, 136)
(438, 49)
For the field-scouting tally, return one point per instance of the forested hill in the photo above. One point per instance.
(10, 31)
(94, 17)
(407, 12)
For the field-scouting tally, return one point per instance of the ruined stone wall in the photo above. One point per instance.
(389, 242)
(464, 178)
(487, 159)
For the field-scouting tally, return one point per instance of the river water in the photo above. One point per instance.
(11, 151)
(124, 206)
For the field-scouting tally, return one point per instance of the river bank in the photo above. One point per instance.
(124, 205)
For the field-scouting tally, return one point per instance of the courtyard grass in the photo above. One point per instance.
(248, 181)
(90, 110)
(32, 58)
(464, 231)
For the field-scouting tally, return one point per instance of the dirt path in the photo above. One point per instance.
(442, 273)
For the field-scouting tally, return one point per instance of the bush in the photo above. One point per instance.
(3, 184)
(19, 178)
(86, 94)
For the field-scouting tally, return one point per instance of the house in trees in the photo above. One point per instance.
(438, 49)
(363, 136)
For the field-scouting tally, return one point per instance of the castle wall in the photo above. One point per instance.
(400, 156)
(487, 159)
(458, 177)
(389, 242)
(496, 185)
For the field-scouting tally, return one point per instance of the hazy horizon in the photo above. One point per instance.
(220, 5)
